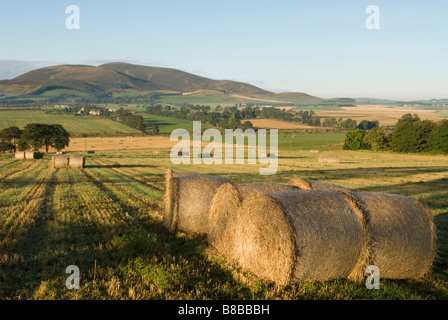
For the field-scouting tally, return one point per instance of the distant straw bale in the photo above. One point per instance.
(328, 159)
(20, 155)
(60, 161)
(30, 155)
(76, 161)
(68, 161)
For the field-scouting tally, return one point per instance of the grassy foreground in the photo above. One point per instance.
(106, 220)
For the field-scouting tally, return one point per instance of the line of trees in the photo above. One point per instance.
(35, 136)
(349, 124)
(128, 118)
(227, 118)
(233, 117)
(411, 135)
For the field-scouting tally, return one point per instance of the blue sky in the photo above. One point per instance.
(321, 47)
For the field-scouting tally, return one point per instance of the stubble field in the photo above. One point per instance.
(387, 115)
(106, 219)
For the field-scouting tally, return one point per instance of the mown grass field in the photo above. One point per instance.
(106, 220)
(73, 124)
(166, 124)
(443, 113)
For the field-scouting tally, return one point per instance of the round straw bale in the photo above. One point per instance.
(403, 235)
(399, 232)
(20, 155)
(248, 189)
(325, 159)
(314, 185)
(358, 273)
(175, 174)
(30, 155)
(60, 161)
(226, 202)
(187, 200)
(76, 161)
(310, 235)
(167, 199)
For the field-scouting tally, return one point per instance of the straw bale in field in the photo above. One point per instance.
(167, 200)
(314, 185)
(76, 161)
(30, 155)
(176, 174)
(187, 200)
(60, 161)
(399, 232)
(226, 202)
(20, 155)
(308, 235)
(403, 235)
(358, 207)
(68, 161)
(328, 160)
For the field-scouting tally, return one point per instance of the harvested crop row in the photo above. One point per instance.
(23, 216)
(106, 212)
(18, 169)
(134, 174)
(18, 191)
(128, 191)
(131, 210)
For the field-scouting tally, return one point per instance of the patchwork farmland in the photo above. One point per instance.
(335, 117)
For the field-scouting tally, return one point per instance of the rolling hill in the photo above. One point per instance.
(118, 78)
(180, 81)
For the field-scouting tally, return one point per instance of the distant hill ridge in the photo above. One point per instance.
(124, 77)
